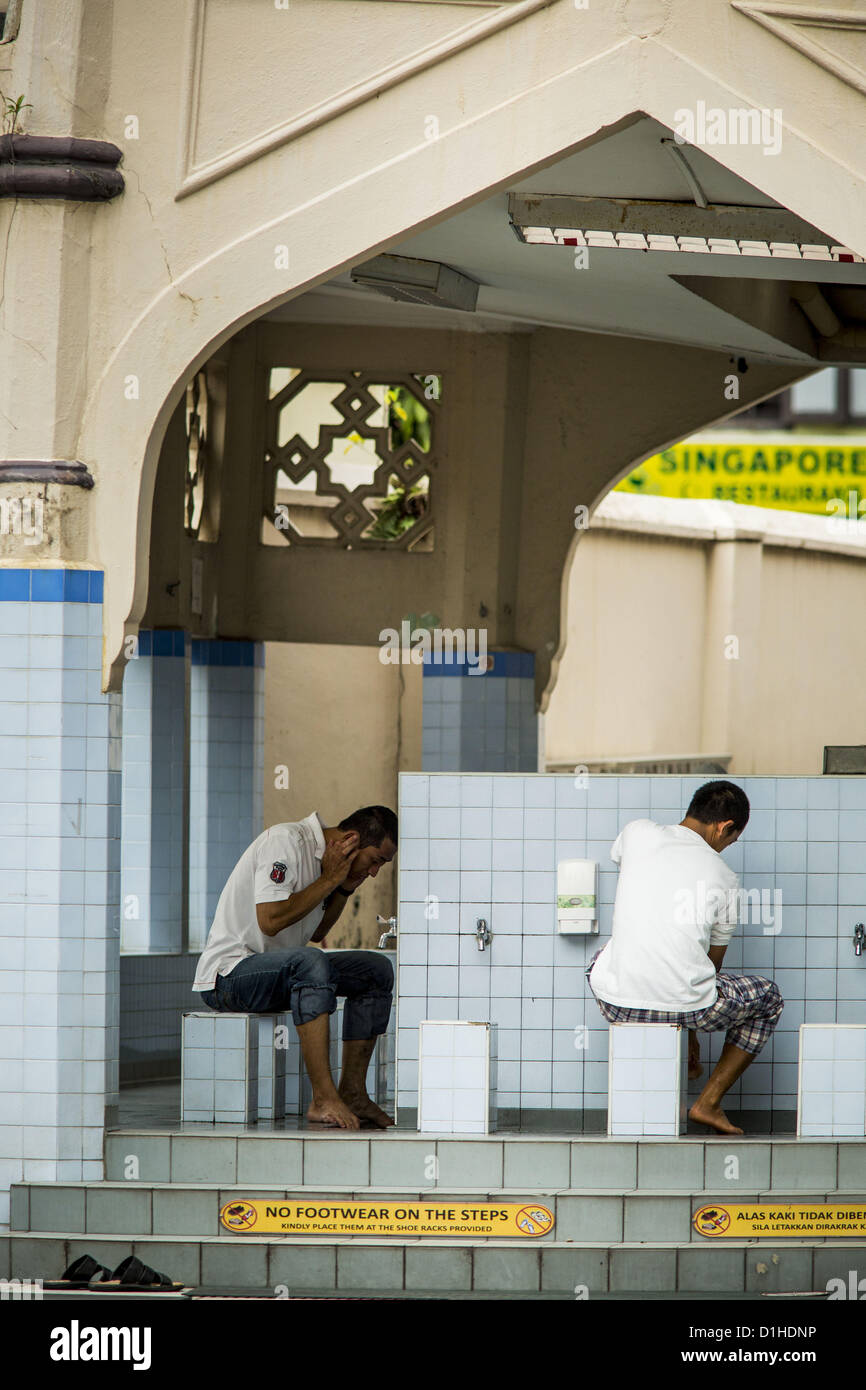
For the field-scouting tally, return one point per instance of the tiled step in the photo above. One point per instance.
(355, 1265)
(532, 1164)
(192, 1209)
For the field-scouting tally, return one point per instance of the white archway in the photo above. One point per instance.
(244, 278)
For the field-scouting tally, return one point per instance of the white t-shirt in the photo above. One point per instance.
(675, 898)
(282, 861)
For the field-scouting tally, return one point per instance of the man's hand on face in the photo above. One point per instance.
(338, 856)
(356, 877)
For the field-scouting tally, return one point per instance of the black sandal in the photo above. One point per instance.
(80, 1275)
(133, 1276)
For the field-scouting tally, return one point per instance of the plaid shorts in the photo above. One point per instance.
(748, 1007)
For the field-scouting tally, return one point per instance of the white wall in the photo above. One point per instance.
(648, 668)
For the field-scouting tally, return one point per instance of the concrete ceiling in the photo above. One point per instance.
(630, 293)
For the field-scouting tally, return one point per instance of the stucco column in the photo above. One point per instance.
(731, 649)
(45, 243)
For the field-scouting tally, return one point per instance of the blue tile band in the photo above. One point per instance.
(218, 651)
(167, 641)
(51, 586)
(511, 664)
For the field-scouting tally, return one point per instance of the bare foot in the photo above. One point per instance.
(714, 1116)
(366, 1109)
(695, 1070)
(332, 1112)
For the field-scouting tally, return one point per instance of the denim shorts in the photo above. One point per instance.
(306, 981)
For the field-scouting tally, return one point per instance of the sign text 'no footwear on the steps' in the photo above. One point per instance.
(305, 1217)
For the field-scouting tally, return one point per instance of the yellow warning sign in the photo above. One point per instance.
(796, 476)
(747, 1220)
(310, 1217)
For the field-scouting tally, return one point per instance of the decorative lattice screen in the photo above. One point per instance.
(380, 483)
(196, 444)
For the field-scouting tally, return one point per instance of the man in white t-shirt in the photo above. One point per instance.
(676, 908)
(286, 890)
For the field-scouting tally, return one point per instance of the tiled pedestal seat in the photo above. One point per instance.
(647, 1079)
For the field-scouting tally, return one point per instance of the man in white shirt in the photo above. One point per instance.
(287, 889)
(676, 909)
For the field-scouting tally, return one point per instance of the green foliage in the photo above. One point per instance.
(408, 418)
(10, 110)
(398, 512)
(409, 421)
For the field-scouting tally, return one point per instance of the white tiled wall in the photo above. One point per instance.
(59, 879)
(487, 845)
(226, 741)
(226, 773)
(154, 750)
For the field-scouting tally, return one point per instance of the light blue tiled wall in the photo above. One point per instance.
(226, 740)
(59, 878)
(487, 846)
(154, 991)
(226, 769)
(154, 751)
(480, 722)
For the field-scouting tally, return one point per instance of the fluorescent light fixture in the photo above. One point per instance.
(417, 282)
(634, 224)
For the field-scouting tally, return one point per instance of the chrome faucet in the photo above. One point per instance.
(482, 933)
(391, 933)
(859, 938)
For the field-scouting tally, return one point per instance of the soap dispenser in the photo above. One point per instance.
(577, 896)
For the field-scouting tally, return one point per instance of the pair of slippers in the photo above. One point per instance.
(131, 1276)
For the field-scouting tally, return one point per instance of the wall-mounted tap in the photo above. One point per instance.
(482, 933)
(859, 938)
(391, 933)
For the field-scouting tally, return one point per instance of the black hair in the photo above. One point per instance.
(374, 824)
(720, 801)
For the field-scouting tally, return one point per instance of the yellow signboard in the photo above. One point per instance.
(793, 476)
(747, 1220)
(289, 1217)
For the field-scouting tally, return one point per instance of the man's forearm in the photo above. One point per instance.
(333, 907)
(717, 955)
(296, 906)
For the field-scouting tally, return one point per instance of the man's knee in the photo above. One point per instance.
(773, 998)
(368, 1009)
(310, 968)
(312, 990)
(382, 974)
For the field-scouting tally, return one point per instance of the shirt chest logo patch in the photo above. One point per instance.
(278, 872)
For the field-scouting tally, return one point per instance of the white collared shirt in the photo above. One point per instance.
(676, 897)
(282, 861)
